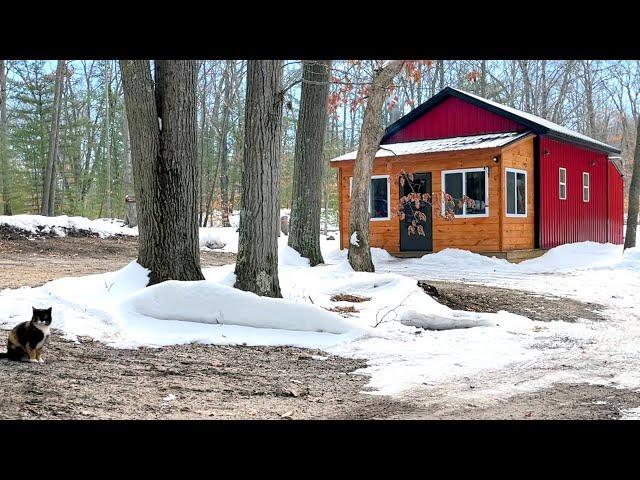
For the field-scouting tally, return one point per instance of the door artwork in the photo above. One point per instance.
(416, 229)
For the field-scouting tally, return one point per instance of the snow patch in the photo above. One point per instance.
(354, 239)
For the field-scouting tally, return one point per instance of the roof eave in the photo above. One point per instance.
(583, 143)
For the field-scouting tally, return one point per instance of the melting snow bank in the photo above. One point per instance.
(457, 319)
(37, 224)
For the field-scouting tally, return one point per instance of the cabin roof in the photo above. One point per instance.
(451, 144)
(534, 123)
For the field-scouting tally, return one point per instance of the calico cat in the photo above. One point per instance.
(26, 340)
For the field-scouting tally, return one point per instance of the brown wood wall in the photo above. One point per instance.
(475, 234)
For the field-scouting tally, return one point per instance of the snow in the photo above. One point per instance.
(408, 339)
(104, 227)
(354, 239)
(630, 414)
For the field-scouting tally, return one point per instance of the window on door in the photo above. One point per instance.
(471, 183)
(516, 193)
(379, 197)
(562, 175)
(585, 187)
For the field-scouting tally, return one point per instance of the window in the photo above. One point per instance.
(585, 187)
(379, 197)
(563, 183)
(516, 193)
(471, 182)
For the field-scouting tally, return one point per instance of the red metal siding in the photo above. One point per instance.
(616, 205)
(454, 118)
(572, 220)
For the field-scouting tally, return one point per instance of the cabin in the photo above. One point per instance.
(533, 184)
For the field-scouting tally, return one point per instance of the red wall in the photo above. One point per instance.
(454, 118)
(572, 220)
(616, 205)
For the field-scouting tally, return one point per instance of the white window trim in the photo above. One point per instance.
(562, 183)
(464, 191)
(588, 187)
(379, 219)
(526, 194)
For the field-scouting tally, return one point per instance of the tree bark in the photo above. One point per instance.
(224, 154)
(4, 151)
(304, 235)
(49, 179)
(130, 209)
(370, 136)
(257, 261)
(634, 196)
(162, 122)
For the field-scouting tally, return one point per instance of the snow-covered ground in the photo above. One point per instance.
(104, 227)
(519, 353)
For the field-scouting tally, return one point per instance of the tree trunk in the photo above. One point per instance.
(4, 151)
(107, 132)
(162, 123)
(49, 179)
(304, 235)
(224, 131)
(634, 196)
(370, 136)
(130, 209)
(257, 261)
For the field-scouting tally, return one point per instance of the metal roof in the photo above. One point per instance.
(537, 124)
(451, 144)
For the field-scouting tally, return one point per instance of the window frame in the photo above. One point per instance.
(560, 183)
(526, 193)
(378, 219)
(464, 191)
(587, 187)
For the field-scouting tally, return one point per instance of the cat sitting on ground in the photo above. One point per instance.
(26, 340)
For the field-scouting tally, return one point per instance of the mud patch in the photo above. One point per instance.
(480, 298)
(90, 380)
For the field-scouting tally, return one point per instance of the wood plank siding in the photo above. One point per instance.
(495, 232)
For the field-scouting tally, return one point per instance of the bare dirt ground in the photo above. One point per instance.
(90, 380)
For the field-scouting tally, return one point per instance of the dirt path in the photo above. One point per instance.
(91, 380)
(34, 262)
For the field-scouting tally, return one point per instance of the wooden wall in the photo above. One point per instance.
(519, 232)
(475, 234)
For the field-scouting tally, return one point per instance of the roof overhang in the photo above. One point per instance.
(450, 144)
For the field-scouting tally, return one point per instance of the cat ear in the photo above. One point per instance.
(49, 309)
(33, 308)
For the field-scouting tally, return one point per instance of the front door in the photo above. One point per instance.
(411, 239)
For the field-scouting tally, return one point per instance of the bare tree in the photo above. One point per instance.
(130, 209)
(161, 112)
(304, 236)
(4, 160)
(49, 179)
(370, 136)
(257, 262)
(634, 196)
